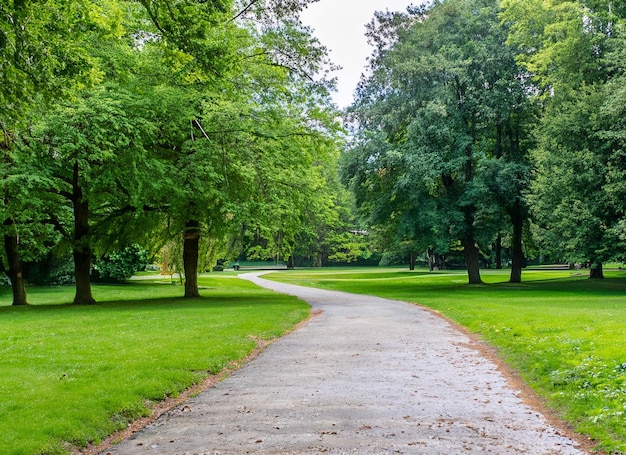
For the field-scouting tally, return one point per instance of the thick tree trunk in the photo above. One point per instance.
(412, 261)
(291, 262)
(14, 271)
(191, 247)
(498, 251)
(595, 271)
(82, 249)
(82, 265)
(517, 220)
(470, 249)
(472, 259)
(11, 239)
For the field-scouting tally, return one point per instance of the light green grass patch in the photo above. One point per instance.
(71, 375)
(565, 334)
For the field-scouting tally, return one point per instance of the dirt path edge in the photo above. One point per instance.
(512, 376)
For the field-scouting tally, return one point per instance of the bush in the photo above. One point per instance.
(119, 266)
(52, 270)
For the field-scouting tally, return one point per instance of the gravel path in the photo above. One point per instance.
(364, 376)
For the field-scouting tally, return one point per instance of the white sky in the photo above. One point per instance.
(340, 26)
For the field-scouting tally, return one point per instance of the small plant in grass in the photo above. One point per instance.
(118, 266)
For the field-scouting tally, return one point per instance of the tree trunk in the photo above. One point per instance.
(11, 241)
(191, 247)
(319, 260)
(82, 265)
(431, 259)
(498, 251)
(470, 249)
(412, 261)
(291, 262)
(472, 259)
(14, 271)
(517, 220)
(82, 248)
(595, 271)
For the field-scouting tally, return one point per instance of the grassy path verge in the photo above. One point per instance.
(71, 375)
(566, 335)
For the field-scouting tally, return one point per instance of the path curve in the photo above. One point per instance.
(365, 376)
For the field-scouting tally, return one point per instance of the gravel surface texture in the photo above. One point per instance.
(364, 376)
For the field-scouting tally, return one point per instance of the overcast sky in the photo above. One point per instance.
(340, 26)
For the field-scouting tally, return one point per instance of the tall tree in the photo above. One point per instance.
(250, 114)
(213, 96)
(572, 51)
(444, 105)
(42, 56)
(92, 152)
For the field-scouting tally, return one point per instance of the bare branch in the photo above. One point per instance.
(243, 11)
(58, 226)
(201, 129)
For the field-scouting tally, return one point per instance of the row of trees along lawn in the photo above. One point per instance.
(141, 121)
(483, 123)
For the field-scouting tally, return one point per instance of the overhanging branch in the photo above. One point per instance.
(243, 11)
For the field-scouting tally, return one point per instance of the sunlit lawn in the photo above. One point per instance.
(71, 375)
(566, 335)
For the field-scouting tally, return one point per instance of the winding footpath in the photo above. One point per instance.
(364, 376)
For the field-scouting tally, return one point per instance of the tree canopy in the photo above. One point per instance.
(574, 53)
(483, 132)
(186, 119)
(439, 123)
(483, 123)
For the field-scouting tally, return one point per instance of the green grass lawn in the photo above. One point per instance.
(72, 375)
(566, 335)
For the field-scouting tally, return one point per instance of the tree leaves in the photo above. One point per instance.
(443, 95)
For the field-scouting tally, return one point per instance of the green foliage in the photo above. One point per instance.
(119, 266)
(31, 71)
(562, 44)
(43, 56)
(91, 156)
(66, 388)
(568, 203)
(564, 334)
(199, 30)
(245, 146)
(171, 117)
(348, 247)
(50, 271)
(438, 154)
(574, 51)
(445, 123)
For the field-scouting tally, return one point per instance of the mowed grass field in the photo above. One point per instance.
(564, 334)
(71, 375)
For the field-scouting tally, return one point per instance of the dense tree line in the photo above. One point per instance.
(483, 123)
(151, 121)
(207, 127)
